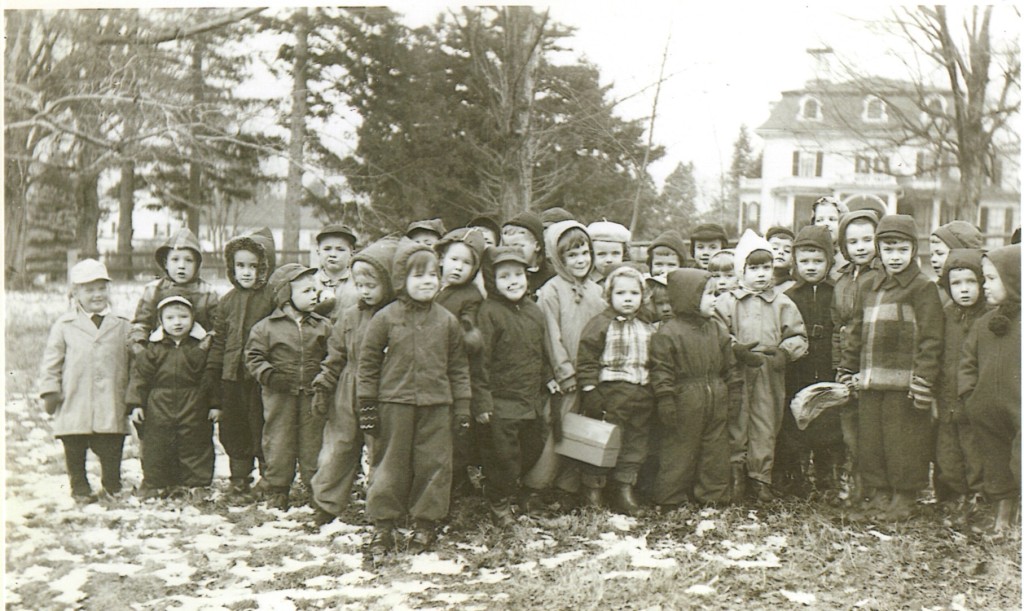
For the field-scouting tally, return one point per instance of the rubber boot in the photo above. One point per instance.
(902, 506)
(739, 483)
(623, 500)
(1004, 517)
(874, 508)
(501, 513)
(591, 496)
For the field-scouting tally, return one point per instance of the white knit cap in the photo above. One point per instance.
(607, 231)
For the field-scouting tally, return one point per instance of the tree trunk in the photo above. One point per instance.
(15, 227)
(522, 135)
(195, 171)
(293, 192)
(87, 204)
(125, 208)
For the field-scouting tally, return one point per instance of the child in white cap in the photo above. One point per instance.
(611, 247)
(83, 378)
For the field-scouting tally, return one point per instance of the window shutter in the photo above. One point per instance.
(819, 159)
(983, 221)
(796, 163)
(1008, 220)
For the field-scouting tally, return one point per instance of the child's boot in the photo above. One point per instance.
(423, 536)
(1005, 511)
(764, 491)
(320, 515)
(592, 490)
(739, 483)
(902, 506)
(874, 508)
(382, 542)
(501, 512)
(623, 500)
(278, 499)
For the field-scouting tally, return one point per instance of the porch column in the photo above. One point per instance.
(890, 206)
(936, 213)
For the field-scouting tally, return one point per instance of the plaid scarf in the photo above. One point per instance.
(626, 355)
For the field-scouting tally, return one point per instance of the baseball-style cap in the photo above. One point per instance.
(88, 270)
(337, 229)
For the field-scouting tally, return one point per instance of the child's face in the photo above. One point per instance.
(93, 297)
(860, 242)
(828, 215)
(181, 265)
(758, 277)
(457, 264)
(703, 249)
(964, 287)
(521, 238)
(425, 237)
(939, 251)
(708, 298)
(627, 296)
(811, 264)
(246, 263)
(176, 320)
(995, 292)
(368, 287)
(662, 306)
(490, 238)
(782, 251)
(334, 252)
(510, 280)
(422, 285)
(304, 293)
(724, 281)
(896, 255)
(577, 261)
(607, 254)
(663, 260)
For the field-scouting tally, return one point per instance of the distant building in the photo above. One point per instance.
(833, 139)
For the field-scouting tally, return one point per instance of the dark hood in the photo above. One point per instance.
(181, 239)
(281, 279)
(685, 289)
(814, 236)
(1007, 262)
(671, 239)
(897, 226)
(400, 265)
(260, 242)
(472, 237)
(962, 258)
(532, 223)
(960, 234)
(844, 222)
(381, 256)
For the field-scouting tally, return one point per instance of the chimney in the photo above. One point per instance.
(821, 66)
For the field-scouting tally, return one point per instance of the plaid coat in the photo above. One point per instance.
(896, 332)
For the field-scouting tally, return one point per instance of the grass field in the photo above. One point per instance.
(169, 554)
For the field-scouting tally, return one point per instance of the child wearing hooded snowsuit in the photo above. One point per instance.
(955, 234)
(231, 386)
(341, 453)
(510, 390)
(823, 437)
(957, 458)
(857, 245)
(692, 374)
(989, 383)
(166, 394)
(83, 376)
(178, 277)
(460, 296)
(613, 371)
(895, 345)
(283, 354)
(661, 249)
(540, 270)
(761, 320)
(568, 302)
(412, 380)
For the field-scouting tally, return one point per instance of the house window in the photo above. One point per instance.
(934, 107)
(871, 164)
(807, 164)
(874, 110)
(810, 109)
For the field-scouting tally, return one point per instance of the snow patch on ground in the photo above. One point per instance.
(432, 564)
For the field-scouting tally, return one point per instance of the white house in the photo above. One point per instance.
(833, 139)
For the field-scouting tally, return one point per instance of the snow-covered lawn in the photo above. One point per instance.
(170, 554)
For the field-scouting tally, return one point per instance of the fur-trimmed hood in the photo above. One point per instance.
(261, 243)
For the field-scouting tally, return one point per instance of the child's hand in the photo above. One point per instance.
(369, 419)
(51, 401)
(320, 403)
(461, 425)
(278, 381)
(137, 348)
(667, 413)
(921, 393)
(746, 356)
(553, 388)
(215, 415)
(137, 416)
(484, 418)
(204, 344)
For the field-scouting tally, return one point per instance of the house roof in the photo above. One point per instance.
(843, 106)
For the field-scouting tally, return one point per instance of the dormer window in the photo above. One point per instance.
(810, 109)
(874, 110)
(934, 108)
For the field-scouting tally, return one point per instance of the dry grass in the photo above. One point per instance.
(168, 554)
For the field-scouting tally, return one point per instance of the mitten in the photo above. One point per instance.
(321, 403)
(51, 401)
(921, 393)
(844, 377)
(745, 356)
(137, 348)
(591, 404)
(667, 415)
(369, 419)
(278, 381)
(461, 425)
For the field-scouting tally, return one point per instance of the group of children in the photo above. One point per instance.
(447, 355)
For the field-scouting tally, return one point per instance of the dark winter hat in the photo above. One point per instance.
(434, 225)
(495, 256)
(959, 234)
(870, 204)
(897, 226)
(707, 232)
(672, 240)
(380, 255)
(814, 236)
(181, 239)
(472, 237)
(1007, 262)
(338, 229)
(555, 215)
(487, 221)
(962, 258)
(280, 281)
(531, 222)
(686, 289)
(785, 232)
(849, 217)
